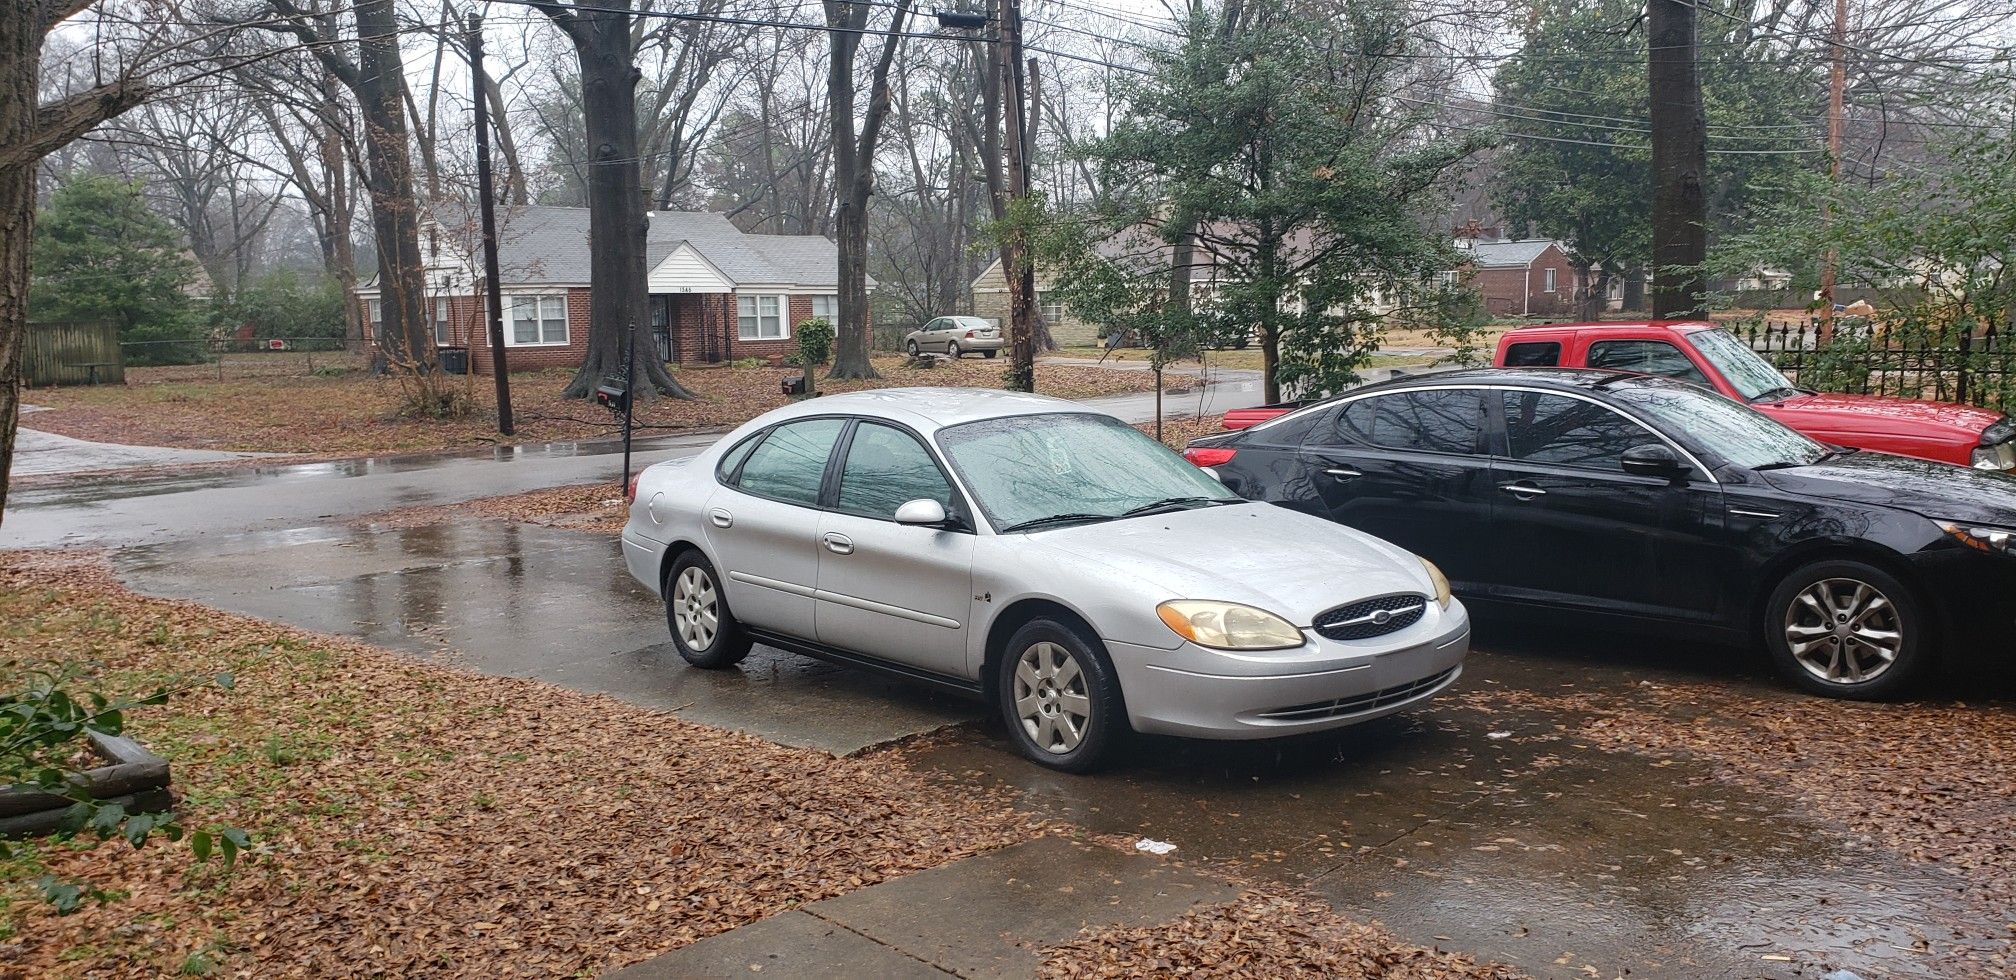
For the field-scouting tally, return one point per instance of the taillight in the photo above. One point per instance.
(1209, 455)
(972, 334)
(630, 492)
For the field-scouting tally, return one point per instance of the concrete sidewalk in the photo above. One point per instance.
(989, 915)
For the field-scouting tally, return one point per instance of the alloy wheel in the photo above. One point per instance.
(1843, 631)
(1051, 698)
(696, 609)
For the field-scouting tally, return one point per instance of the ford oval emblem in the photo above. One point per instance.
(1381, 617)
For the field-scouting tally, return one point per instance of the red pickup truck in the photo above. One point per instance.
(1707, 355)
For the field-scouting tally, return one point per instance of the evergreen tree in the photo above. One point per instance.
(101, 255)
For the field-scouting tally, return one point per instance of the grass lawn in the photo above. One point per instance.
(351, 414)
(413, 819)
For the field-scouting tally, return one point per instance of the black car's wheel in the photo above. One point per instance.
(911, 348)
(703, 629)
(1847, 629)
(989, 354)
(952, 349)
(1059, 697)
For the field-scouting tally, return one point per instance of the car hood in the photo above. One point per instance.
(1935, 490)
(1879, 415)
(1280, 560)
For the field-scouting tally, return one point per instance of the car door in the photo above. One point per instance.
(1408, 467)
(894, 591)
(764, 526)
(926, 333)
(1572, 528)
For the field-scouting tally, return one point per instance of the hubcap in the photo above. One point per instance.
(1843, 631)
(696, 610)
(1051, 698)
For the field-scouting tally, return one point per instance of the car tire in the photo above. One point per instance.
(952, 349)
(911, 348)
(1060, 697)
(1847, 629)
(989, 354)
(694, 602)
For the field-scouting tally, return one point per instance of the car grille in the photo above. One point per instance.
(1372, 617)
(1359, 704)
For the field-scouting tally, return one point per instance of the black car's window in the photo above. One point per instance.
(791, 463)
(1542, 428)
(887, 468)
(725, 472)
(1433, 421)
(1645, 357)
(1533, 353)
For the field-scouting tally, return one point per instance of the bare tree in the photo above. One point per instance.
(854, 168)
(606, 47)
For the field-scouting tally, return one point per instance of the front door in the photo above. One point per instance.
(1572, 528)
(1409, 467)
(661, 328)
(765, 527)
(889, 590)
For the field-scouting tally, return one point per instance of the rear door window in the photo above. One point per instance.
(1436, 421)
(1534, 353)
(790, 465)
(1645, 357)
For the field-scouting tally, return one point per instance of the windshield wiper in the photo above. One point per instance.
(1167, 504)
(1776, 394)
(1784, 464)
(1036, 522)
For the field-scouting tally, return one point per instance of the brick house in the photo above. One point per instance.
(1531, 277)
(716, 293)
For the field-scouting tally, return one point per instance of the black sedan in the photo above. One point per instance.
(1649, 501)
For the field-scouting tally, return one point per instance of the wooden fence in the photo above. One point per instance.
(72, 354)
(1977, 368)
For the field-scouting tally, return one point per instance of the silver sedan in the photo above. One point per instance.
(1055, 562)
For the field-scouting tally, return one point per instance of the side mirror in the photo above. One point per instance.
(1653, 459)
(922, 513)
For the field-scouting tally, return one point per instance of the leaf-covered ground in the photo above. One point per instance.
(410, 819)
(351, 413)
(1263, 934)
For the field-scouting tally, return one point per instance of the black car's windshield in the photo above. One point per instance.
(1749, 373)
(1031, 471)
(1739, 434)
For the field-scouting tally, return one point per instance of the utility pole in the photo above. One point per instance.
(1017, 267)
(1679, 160)
(1836, 90)
(486, 196)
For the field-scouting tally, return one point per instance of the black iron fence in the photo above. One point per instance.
(1977, 367)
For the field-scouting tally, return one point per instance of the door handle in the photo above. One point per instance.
(1343, 472)
(721, 518)
(837, 543)
(1523, 492)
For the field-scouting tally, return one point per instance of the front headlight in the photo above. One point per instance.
(1441, 582)
(1994, 540)
(2000, 456)
(1228, 625)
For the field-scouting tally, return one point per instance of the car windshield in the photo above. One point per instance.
(1749, 373)
(1028, 471)
(1739, 434)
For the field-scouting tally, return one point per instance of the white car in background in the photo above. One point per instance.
(1072, 572)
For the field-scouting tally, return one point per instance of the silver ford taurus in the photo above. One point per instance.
(1051, 560)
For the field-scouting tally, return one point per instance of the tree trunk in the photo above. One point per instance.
(616, 220)
(406, 337)
(17, 231)
(1598, 286)
(854, 171)
(1679, 159)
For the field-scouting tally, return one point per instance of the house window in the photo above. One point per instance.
(1446, 279)
(374, 316)
(1550, 280)
(827, 308)
(1050, 308)
(538, 321)
(444, 329)
(760, 318)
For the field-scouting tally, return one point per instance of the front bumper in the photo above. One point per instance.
(1330, 684)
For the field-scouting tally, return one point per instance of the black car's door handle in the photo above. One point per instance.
(1343, 472)
(1524, 491)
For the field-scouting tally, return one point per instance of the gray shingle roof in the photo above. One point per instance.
(1503, 255)
(540, 245)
